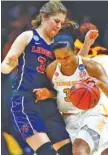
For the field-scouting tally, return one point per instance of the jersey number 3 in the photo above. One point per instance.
(42, 61)
(67, 92)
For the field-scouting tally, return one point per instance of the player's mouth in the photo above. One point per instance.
(56, 30)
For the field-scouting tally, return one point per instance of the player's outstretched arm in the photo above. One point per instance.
(17, 48)
(89, 41)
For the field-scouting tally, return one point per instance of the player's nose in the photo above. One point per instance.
(59, 26)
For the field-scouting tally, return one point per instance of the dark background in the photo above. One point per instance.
(96, 11)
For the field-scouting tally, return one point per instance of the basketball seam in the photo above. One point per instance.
(76, 90)
(94, 93)
(82, 96)
(90, 88)
(89, 100)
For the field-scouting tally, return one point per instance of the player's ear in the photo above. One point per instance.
(44, 15)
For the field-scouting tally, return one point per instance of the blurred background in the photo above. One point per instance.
(16, 17)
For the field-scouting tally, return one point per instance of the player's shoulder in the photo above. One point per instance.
(90, 62)
(91, 65)
(52, 65)
(50, 69)
(26, 35)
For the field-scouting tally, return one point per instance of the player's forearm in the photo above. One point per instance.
(8, 64)
(84, 50)
(103, 87)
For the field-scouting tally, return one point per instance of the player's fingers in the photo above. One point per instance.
(40, 94)
(93, 80)
(93, 34)
(37, 90)
(34, 90)
(93, 31)
(38, 97)
(97, 35)
(37, 94)
(84, 78)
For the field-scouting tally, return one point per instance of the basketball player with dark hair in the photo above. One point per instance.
(87, 128)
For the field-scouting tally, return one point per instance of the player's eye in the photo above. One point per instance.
(66, 57)
(57, 21)
(58, 58)
(62, 23)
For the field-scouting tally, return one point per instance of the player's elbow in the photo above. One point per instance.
(5, 69)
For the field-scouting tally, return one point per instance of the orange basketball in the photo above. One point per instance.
(84, 95)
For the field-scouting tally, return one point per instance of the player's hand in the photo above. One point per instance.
(41, 94)
(91, 37)
(12, 61)
(91, 80)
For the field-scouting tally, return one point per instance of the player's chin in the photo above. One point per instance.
(54, 33)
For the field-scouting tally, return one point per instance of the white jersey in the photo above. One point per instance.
(103, 60)
(82, 122)
(63, 85)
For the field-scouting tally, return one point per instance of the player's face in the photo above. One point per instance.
(53, 24)
(63, 55)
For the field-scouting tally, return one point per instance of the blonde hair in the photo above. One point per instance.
(50, 8)
(71, 27)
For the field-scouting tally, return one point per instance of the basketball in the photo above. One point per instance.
(84, 95)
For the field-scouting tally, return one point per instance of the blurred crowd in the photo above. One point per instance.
(15, 18)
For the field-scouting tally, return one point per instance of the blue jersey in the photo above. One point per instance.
(26, 114)
(32, 64)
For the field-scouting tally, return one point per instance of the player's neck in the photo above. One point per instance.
(44, 35)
